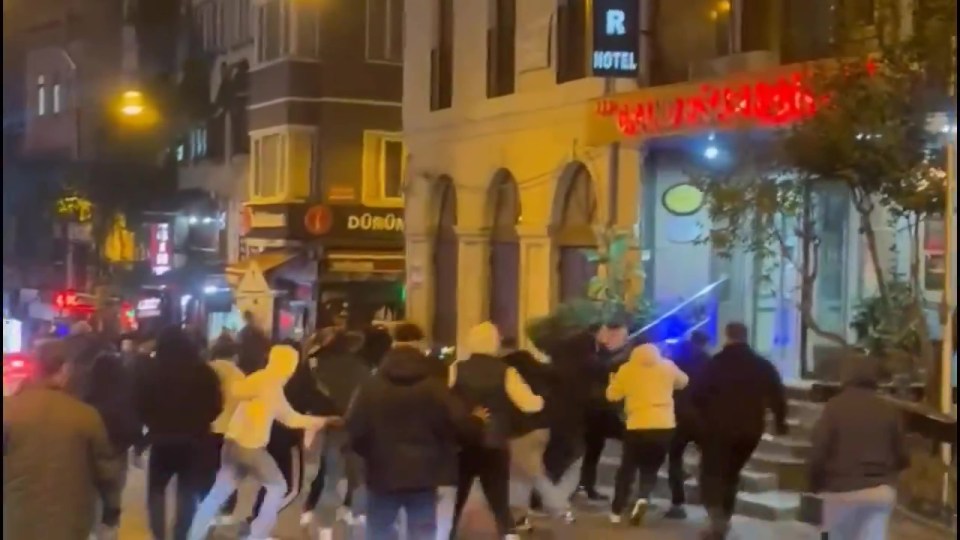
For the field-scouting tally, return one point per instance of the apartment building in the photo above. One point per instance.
(324, 221)
(517, 154)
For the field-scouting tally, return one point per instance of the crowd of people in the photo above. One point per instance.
(414, 433)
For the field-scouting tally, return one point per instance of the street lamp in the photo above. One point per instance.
(132, 103)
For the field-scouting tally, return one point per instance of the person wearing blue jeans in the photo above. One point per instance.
(420, 508)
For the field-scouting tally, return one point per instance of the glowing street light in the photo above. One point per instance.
(132, 103)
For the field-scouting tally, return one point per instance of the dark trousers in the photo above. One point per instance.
(492, 467)
(644, 451)
(290, 462)
(217, 450)
(189, 460)
(419, 506)
(682, 438)
(722, 458)
(600, 425)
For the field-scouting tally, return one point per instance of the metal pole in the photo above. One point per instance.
(949, 226)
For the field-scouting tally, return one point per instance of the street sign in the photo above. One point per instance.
(616, 38)
(318, 220)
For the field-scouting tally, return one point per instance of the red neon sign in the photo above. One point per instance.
(771, 103)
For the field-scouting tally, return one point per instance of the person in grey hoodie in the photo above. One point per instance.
(858, 451)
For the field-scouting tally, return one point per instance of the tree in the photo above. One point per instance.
(865, 136)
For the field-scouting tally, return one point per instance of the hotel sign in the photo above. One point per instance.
(616, 38)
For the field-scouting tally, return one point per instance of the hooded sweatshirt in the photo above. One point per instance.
(261, 401)
(229, 374)
(646, 384)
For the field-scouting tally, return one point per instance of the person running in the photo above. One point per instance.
(178, 398)
(223, 361)
(691, 357)
(859, 450)
(58, 462)
(484, 380)
(287, 445)
(731, 397)
(404, 424)
(645, 384)
(529, 438)
(261, 401)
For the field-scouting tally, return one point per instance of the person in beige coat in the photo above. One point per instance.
(58, 463)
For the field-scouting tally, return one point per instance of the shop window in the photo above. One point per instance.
(385, 31)
(384, 169)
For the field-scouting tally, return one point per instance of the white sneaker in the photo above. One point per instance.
(616, 519)
(224, 520)
(306, 519)
(639, 512)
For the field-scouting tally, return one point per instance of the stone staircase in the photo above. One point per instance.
(773, 480)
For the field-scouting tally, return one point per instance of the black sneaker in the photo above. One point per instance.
(639, 512)
(677, 512)
(594, 496)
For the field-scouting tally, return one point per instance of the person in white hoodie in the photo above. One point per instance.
(260, 402)
(645, 384)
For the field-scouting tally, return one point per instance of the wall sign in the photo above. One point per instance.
(354, 222)
(160, 251)
(616, 38)
(683, 200)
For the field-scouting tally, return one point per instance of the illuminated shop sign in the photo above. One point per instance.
(781, 101)
(616, 38)
(160, 252)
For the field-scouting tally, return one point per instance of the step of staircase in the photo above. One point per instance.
(751, 481)
(788, 446)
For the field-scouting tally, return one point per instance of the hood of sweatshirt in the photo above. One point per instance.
(484, 339)
(405, 366)
(646, 355)
(282, 362)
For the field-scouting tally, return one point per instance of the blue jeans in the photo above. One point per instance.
(859, 515)
(236, 464)
(384, 508)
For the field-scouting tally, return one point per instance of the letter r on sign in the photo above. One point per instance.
(616, 22)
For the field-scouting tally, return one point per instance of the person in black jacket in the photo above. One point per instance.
(691, 357)
(178, 397)
(731, 397)
(529, 438)
(110, 391)
(404, 424)
(286, 445)
(254, 346)
(485, 380)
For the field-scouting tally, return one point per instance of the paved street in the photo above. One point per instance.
(592, 524)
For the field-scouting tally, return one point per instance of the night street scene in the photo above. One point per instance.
(479, 269)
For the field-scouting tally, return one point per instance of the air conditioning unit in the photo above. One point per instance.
(734, 64)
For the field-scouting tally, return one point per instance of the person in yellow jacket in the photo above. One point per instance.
(645, 384)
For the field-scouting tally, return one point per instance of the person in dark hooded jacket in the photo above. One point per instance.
(254, 346)
(403, 423)
(178, 398)
(338, 372)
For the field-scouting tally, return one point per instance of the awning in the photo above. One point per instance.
(265, 261)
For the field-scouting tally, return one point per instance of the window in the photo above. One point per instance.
(57, 98)
(41, 96)
(571, 40)
(934, 255)
(441, 58)
(385, 31)
(198, 143)
(862, 11)
(287, 28)
(268, 173)
(384, 168)
(501, 49)
(283, 165)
